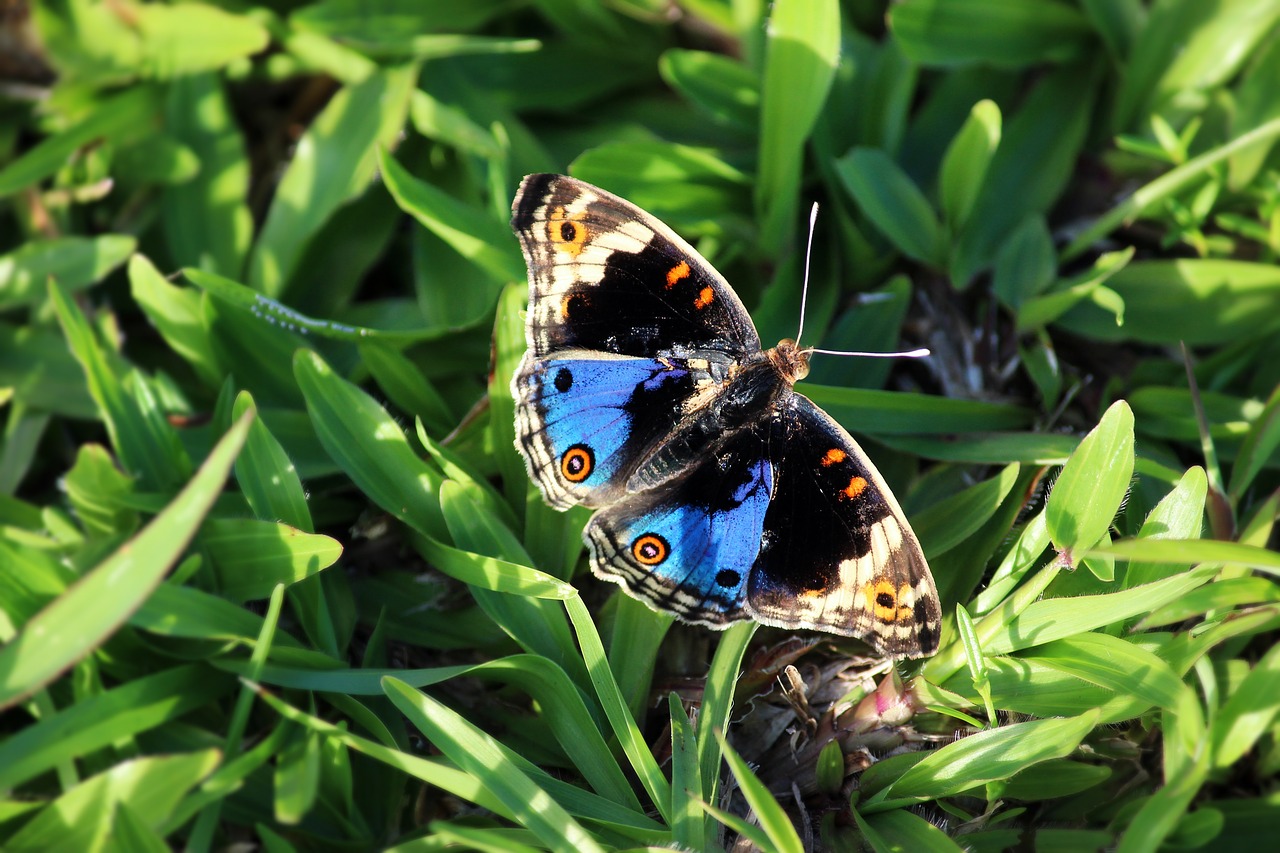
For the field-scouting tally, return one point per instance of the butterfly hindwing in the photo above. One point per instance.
(837, 552)
(585, 419)
(688, 548)
(604, 275)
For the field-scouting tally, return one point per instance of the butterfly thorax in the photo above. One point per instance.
(791, 362)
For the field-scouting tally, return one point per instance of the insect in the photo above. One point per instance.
(722, 493)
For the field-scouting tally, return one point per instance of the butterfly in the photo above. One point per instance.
(722, 493)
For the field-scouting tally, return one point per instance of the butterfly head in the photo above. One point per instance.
(790, 360)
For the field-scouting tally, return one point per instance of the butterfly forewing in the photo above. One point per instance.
(606, 276)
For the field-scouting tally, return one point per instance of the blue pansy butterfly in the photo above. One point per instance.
(723, 494)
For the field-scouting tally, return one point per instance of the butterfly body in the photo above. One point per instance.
(723, 494)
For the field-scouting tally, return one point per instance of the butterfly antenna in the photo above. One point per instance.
(804, 298)
(808, 252)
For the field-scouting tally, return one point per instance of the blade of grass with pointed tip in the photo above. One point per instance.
(953, 520)
(687, 817)
(964, 166)
(1059, 618)
(988, 756)
(1112, 663)
(773, 819)
(1178, 515)
(492, 573)
(1088, 491)
(561, 703)
(147, 444)
(1206, 551)
(900, 829)
(538, 625)
(113, 716)
(80, 619)
(75, 262)
(250, 557)
(471, 232)
(893, 203)
(266, 476)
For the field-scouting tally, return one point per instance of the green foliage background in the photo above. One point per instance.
(272, 572)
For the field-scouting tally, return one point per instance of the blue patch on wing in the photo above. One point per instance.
(615, 408)
(690, 550)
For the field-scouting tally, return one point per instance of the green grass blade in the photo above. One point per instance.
(990, 756)
(615, 707)
(964, 166)
(370, 446)
(800, 61)
(108, 718)
(146, 443)
(332, 163)
(250, 557)
(1092, 484)
(900, 829)
(208, 217)
(1248, 712)
(688, 826)
(476, 236)
(475, 753)
(130, 112)
(74, 262)
(773, 820)
(893, 203)
(717, 703)
(1192, 551)
(80, 619)
(81, 819)
(1114, 664)
(1058, 618)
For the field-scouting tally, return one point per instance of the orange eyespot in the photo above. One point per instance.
(650, 549)
(883, 599)
(577, 463)
(566, 231)
(887, 602)
(834, 456)
(704, 298)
